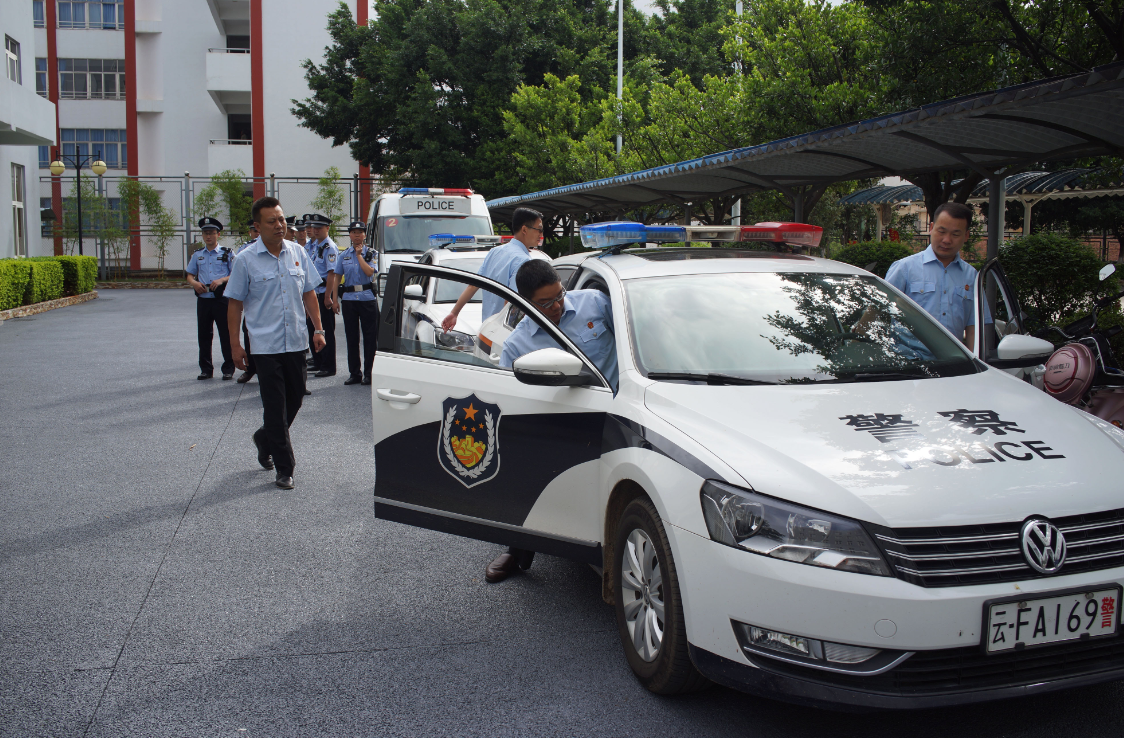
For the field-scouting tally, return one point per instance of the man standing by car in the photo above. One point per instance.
(586, 317)
(501, 264)
(324, 255)
(357, 300)
(937, 279)
(207, 273)
(275, 283)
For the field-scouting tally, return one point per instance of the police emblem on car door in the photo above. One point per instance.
(468, 443)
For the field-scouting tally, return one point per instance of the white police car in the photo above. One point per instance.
(821, 496)
(399, 223)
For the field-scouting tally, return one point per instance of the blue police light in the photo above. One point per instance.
(414, 191)
(451, 240)
(607, 235)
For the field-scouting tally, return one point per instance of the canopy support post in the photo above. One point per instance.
(1028, 205)
(996, 204)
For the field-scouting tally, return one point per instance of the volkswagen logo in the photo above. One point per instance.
(1043, 546)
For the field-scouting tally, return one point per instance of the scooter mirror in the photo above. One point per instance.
(1107, 271)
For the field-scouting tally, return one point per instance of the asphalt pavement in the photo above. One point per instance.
(154, 582)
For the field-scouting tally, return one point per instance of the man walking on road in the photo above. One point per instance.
(275, 284)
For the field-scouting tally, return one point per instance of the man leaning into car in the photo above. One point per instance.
(586, 317)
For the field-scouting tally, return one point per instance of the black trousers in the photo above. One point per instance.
(360, 316)
(250, 366)
(209, 312)
(522, 557)
(311, 349)
(327, 355)
(281, 379)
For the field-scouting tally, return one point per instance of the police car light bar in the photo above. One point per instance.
(434, 191)
(451, 240)
(607, 235)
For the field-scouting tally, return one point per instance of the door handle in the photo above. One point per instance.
(393, 396)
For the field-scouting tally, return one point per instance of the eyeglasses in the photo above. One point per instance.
(540, 229)
(551, 303)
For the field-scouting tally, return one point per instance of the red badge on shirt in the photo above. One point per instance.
(589, 324)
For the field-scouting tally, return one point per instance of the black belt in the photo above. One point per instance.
(358, 287)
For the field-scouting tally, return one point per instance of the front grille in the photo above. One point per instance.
(983, 554)
(967, 669)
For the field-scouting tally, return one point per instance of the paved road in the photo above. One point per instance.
(154, 582)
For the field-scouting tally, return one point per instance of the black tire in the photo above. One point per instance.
(667, 670)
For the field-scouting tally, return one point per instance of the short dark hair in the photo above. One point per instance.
(263, 202)
(533, 275)
(956, 210)
(523, 216)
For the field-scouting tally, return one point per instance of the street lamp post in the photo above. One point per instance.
(78, 160)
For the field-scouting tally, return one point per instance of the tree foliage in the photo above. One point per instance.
(330, 200)
(225, 198)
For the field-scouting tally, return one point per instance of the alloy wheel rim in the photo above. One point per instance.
(642, 593)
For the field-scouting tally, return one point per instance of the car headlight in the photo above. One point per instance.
(454, 340)
(771, 527)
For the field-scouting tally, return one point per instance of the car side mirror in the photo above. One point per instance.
(413, 292)
(552, 367)
(1017, 346)
(1107, 271)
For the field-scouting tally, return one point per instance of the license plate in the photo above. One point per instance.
(436, 205)
(1045, 620)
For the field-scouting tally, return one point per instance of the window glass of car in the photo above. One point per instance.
(410, 233)
(784, 328)
(448, 291)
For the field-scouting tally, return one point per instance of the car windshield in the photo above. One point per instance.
(778, 328)
(411, 234)
(449, 291)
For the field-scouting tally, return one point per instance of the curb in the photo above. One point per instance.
(42, 307)
(143, 285)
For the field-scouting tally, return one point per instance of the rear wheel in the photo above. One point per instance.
(648, 605)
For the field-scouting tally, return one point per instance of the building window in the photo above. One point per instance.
(106, 15)
(12, 59)
(41, 76)
(45, 225)
(38, 12)
(92, 79)
(44, 157)
(108, 143)
(19, 222)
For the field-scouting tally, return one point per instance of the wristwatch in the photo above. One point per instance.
(318, 333)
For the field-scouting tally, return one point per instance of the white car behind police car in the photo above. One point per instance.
(794, 500)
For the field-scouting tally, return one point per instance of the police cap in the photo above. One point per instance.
(298, 224)
(357, 225)
(316, 219)
(209, 223)
(251, 222)
(290, 220)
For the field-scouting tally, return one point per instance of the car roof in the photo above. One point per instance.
(662, 262)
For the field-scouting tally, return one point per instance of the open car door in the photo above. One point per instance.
(467, 447)
(1004, 341)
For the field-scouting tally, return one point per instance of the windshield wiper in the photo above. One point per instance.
(878, 377)
(711, 378)
(404, 251)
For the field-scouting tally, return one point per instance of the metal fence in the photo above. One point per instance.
(180, 194)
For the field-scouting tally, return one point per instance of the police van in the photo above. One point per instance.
(803, 486)
(400, 223)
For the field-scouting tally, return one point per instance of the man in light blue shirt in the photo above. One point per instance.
(586, 317)
(273, 282)
(501, 264)
(207, 273)
(937, 279)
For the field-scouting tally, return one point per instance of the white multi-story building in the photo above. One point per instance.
(27, 121)
(163, 87)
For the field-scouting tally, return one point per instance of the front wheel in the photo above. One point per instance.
(648, 604)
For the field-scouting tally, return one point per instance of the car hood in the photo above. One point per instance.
(975, 449)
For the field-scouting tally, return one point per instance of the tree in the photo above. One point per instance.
(330, 199)
(225, 198)
(148, 203)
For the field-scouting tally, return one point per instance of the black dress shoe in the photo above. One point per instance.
(353, 380)
(307, 392)
(263, 456)
(245, 377)
(284, 482)
(501, 568)
(206, 376)
(228, 376)
(324, 373)
(366, 380)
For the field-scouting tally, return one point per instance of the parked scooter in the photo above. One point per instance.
(1085, 372)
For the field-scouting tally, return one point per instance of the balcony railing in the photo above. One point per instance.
(89, 95)
(229, 51)
(231, 142)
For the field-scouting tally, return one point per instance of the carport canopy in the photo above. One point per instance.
(988, 133)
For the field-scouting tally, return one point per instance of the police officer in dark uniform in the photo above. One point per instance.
(207, 273)
(356, 297)
(324, 257)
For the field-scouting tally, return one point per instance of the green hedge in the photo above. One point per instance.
(41, 278)
(79, 273)
(15, 276)
(880, 253)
